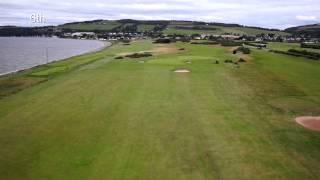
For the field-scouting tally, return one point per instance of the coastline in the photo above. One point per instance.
(106, 44)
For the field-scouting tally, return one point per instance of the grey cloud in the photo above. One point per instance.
(272, 13)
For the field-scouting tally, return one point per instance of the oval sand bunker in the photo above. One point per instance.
(309, 122)
(182, 71)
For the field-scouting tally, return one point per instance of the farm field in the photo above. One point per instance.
(169, 27)
(98, 117)
(100, 26)
(216, 30)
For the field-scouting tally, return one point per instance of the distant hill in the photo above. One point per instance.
(26, 31)
(308, 30)
(167, 27)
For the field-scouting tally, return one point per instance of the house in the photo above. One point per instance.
(84, 35)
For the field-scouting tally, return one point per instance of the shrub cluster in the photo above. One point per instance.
(312, 55)
(228, 61)
(313, 46)
(299, 53)
(241, 60)
(119, 57)
(244, 50)
(166, 41)
(139, 55)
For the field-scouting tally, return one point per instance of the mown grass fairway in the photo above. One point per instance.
(137, 119)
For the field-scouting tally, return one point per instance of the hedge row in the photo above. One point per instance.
(299, 53)
(313, 46)
(230, 43)
(205, 43)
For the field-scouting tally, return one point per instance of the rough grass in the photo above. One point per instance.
(128, 120)
(287, 46)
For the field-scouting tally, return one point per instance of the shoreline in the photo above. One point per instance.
(106, 44)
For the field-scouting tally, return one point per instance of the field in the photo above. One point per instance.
(145, 27)
(216, 30)
(221, 30)
(100, 26)
(96, 117)
(172, 27)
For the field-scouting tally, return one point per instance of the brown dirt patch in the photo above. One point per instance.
(164, 49)
(310, 122)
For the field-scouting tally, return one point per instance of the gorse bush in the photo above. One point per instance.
(244, 50)
(139, 55)
(166, 41)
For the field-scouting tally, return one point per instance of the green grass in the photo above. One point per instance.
(102, 26)
(287, 46)
(122, 119)
(145, 27)
(171, 29)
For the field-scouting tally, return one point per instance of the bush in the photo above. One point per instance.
(241, 60)
(139, 55)
(119, 57)
(228, 61)
(166, 41)
(244, 50)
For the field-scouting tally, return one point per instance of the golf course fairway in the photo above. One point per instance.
(97, 116)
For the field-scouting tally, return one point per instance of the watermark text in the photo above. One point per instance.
(38, 18)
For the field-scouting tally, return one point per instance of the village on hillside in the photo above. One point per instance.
(113, 36)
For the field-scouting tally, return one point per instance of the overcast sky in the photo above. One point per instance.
(264, 13)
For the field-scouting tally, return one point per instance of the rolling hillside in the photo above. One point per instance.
(167, 27)
(308, 30)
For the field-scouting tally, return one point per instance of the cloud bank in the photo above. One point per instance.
(270, 14)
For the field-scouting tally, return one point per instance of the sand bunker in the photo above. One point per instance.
(309, 122)
(164, 49)
(182, 71)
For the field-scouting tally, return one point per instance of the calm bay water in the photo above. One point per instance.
(18, 53)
